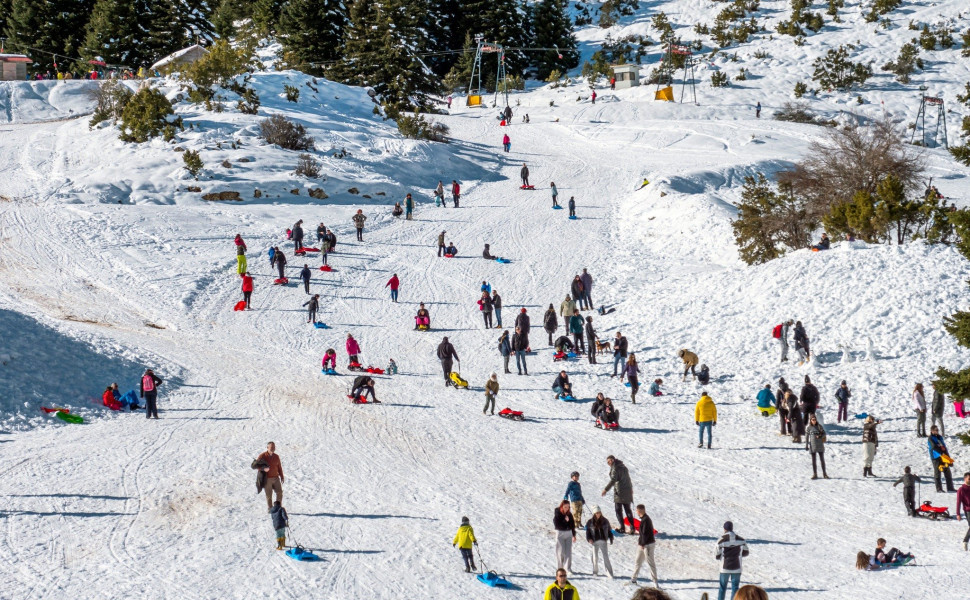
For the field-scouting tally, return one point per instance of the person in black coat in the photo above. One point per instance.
(563, 344)
(801, 342)
(782, 407)
(523, 322)
(297, 235)
(550, 323)
(598, 533)
(446, 353)
(591, 339)
(608, 413)
(149, 391)
(363, 387)
(520, 343)
(305, 275)
(809, 398)
(279, 259)
(579, 292)
(312, 305)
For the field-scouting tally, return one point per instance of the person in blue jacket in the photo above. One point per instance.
(486, 287)
(561, 385)
(574, 493)
(937, 448)
(272, 253)
(654, 389)
(505, 349)
(766, 401)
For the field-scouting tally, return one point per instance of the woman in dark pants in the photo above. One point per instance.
(815, 443)
(782, 407)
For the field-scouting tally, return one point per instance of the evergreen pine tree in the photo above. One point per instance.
(444, 31)
(41, 29)
(554, 28)
(114, 33)
(266, 15)
(311, 32)
(460, 74)
(502, 22)
(381, 49)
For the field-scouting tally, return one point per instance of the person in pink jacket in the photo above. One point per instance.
(330, 358)
(352, 349)
(506, 142)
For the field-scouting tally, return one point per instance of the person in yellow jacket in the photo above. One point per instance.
(690, 361)
(561, 589)
(464, 539)
(705, 415)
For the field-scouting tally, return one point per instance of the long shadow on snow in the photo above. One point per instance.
(34, 375)
(88, 496)
(8, 513)
(643, 430)
(363, 516)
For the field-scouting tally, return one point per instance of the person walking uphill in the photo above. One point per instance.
(909, 481)
(149, 391)
(491, 390)
(506, 142)
(241, 249)
(270, 477)
(937, 406)
(394, 283)
(306, 275)
(280, 522)
(574, 494)
(550, 323)
(247, 289)
(731, 548)
(353, 349)
(815, 443)
(565, 526)
(705, 416)
(622, 487)
(446, 354)
(780, 333)
(524, 174)
(358, 220)
(464, 540)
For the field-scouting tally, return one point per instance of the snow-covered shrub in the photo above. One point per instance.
(795, 112)
(306, 166)
(111, 98)
(719, 79)
(836, 71)
(417, 127)
(799, 91)
(148, 114)
(286, 134)
(292, 93)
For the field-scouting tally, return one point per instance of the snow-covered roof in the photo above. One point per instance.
(190, 54)
(15, 58)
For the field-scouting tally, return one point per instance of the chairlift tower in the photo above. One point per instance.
(927, 104)
(668, 68)
(475, 84)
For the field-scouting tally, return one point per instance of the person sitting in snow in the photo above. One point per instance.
(487, 255)
(563, 344)
(280, 521)
(398, 211)
(330, 358)
(824, 243)
(423, 317)
(884, 557)
(654, 389)
(561, 386)
(109, 399)
(608, 414)
(451, 249)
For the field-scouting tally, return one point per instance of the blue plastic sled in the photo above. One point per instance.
(627, 384)
(572, 218)
(556, 208)
(862, 416)
(568, 399)
(493, 580)
(328, 371)
(572, 355)
(302, 554)
(504, 261)
(321, 325)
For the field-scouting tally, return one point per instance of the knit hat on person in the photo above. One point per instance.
(728, 526)
(597, 511)
(464, 521)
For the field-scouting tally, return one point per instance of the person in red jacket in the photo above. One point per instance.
(455, 191)
(963, 505)
(247, 288)
(506, 142)
(109, 400)
(393, 283)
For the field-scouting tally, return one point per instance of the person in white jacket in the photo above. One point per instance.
(919, 405)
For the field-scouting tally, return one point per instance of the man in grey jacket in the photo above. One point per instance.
(937, 407)
(783, 340)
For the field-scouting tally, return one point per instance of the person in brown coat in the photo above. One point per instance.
(269, 464)
(690, 361)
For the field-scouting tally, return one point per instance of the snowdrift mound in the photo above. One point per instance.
(39, 101)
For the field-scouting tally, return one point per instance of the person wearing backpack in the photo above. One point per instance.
(780, 333)
(149, 391)
(505, 349)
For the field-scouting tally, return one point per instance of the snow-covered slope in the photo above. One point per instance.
(121, 507)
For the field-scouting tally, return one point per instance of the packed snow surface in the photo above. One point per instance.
(92, 291)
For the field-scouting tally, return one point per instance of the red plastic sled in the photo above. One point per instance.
(558, 356)
(374, 370)
(326, 268)
(508, 413)
(241, 305)
(527, 187)
(281, 281)
(449, 256)
(55, 410)
(636, 524)
(357, 400)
